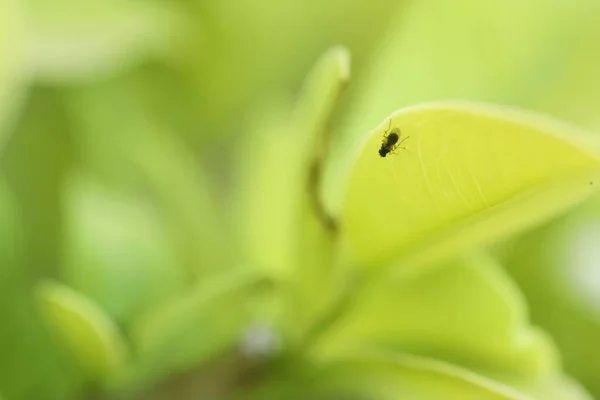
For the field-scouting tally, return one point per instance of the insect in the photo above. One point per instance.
(391, 141)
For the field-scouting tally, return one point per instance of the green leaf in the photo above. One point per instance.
(115, 250)
(507, 52)
(314, 281)
(284, 230)
(466, 312)
(556, 267)
(226, 51)
(317, 100)
(13, 66)
(556, 387)
(35, 161)
(572, 93)
(24, 374)
(263, 203)
(31, 365)
(84, 329)
(75, 40)
(11, 231)
(386, 377)
(196, 326)
(124, 140)
(268, 165)
(407, 376)
(470, 174)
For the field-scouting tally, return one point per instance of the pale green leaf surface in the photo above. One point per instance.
(508, 52)
(84, 329)
(13, 65)
(75, 40)
(195, 326)
(263, 205)
(470, 174)
(115, 250)
(466, 312)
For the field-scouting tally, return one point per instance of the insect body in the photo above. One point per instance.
(389, 144)
(391, 141)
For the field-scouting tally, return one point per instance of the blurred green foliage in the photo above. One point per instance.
(192, 204)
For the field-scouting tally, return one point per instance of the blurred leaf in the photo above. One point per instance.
(317, 101)
(35, 161)
(407, 376)
(276, 161)
(78, 40)
(11, 232)
(125, 142)
(470, 174)
(557, 268)
(557, 387)
(115, 250)
(508, 52)
(386, 377)
(13, 66)
(195, 327)
(227, 69)
(466, 312)
(84, 329)
(26, 230)
(263, 202)
(315, 284)
(572, 92)
(283, 229)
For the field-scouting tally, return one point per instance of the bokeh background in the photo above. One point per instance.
(123, 123)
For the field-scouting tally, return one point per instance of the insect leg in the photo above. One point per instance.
(400, 142)
(385, 133)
